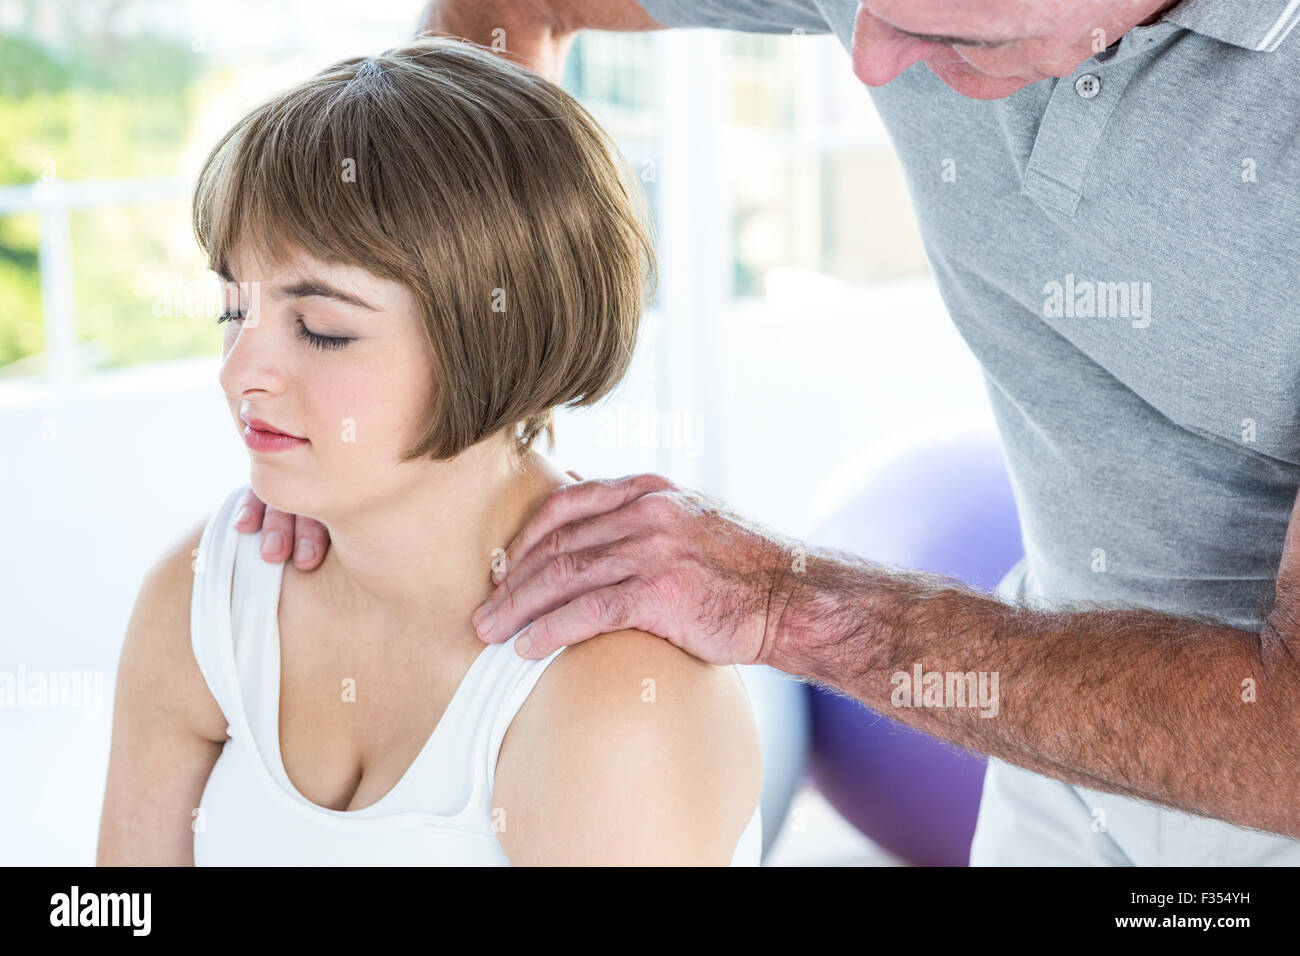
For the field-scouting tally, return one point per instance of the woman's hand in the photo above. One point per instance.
(639, 552)
(283, 533)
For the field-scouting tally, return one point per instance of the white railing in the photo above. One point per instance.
(52, 200)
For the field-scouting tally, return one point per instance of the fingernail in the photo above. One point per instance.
(243, 513)
(305, 550)
(523, 643)
(272, 543)
(482, 611)
(484, 627)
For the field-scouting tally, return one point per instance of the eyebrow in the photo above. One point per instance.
(311, 288)
(963, 41)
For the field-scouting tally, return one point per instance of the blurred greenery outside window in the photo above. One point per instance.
(810, 177)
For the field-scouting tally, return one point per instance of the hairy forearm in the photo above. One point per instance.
(603, 15)
(1183, 712)
(535, 33)
(557, 16)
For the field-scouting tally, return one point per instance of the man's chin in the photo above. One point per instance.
(975, 85)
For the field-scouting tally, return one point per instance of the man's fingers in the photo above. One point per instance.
(1286, 588)
(571, 502)
(562, 579)
(277, 536)
(311, 539)
(596, 612)
(283, 534)
(577, 535)
(249, 516)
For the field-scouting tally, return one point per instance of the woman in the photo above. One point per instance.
(424, 253)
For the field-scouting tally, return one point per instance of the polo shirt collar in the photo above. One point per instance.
(1253, 24)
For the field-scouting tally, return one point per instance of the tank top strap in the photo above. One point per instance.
(512, 679)
(210, 606)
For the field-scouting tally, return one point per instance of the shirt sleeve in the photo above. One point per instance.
(746, 16)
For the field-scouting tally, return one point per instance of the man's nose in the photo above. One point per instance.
(880, 53)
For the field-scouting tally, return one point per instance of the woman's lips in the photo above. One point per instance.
(260, 440)
(262, 426)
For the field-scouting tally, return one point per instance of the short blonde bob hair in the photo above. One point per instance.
(487, 191)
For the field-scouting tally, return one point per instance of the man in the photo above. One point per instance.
(1109, 191)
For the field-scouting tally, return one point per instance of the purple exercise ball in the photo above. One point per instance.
(940, 503)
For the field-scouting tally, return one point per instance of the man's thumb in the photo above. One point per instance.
(1287, 593)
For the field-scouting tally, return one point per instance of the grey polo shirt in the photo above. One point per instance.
(1120, 249)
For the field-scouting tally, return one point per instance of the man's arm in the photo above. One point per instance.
(537, 33)
(1184, 712)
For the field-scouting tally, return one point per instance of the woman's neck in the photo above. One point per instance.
(421, 561)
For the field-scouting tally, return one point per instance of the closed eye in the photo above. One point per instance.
(304, 333)
(321, 341)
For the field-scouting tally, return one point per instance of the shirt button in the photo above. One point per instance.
(1088, 85)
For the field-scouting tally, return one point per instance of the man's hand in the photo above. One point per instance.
(536, 33)
(527, 31)
(1281, 631)
(283, 534)
(639, 552)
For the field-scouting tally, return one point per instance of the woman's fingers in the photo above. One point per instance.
(312, 539)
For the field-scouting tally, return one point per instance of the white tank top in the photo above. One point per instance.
(439, 813)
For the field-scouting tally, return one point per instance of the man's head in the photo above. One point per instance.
(988, 49)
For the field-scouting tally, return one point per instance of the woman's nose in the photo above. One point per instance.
(880, 52)
(252, 360)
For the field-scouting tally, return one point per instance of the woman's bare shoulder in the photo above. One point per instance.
(612, 665)
(157, 665)
(630, 750)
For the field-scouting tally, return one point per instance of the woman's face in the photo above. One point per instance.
(336, 356)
